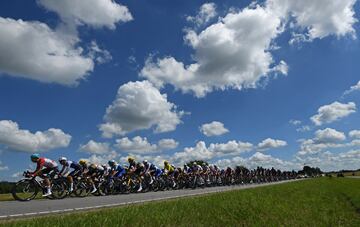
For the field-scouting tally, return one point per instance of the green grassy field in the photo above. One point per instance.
(315, 202)
(357, 173)
(6, 197)
(347, 174)
(9, 197)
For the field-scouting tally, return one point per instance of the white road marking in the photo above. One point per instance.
(29, 214)
(44, 212)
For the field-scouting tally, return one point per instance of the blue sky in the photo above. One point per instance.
(270, 83)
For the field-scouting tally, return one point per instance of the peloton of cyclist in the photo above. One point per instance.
(44, 167)
(66, 171)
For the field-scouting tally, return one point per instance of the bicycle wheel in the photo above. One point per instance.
(81, 189)
(105, 188)
(25, 190)
(58, 189)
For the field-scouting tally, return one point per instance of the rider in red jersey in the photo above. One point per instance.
(44, 167)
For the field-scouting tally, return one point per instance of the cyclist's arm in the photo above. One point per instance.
(63, 170)
(38, 169)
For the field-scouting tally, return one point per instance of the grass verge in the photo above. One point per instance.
(9, 197)
(316, 202)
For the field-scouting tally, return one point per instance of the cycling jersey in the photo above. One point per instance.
(132, 165)
(206, 168)
(107, 170)
(46, 163)
(96, 169)
(70, 165)
(156, 171)
(197, 168)
(120, 171)
(46, 166)
(187, 169)
(153, 167)
(139, 168)
(169, 168)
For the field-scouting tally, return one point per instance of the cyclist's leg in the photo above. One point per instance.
(70, 179)
(44, 175)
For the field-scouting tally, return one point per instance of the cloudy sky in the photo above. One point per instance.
(271, 83)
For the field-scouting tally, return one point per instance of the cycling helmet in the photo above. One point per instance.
(111, 162)
(130, 159)
(145, 162)
(34, 157)
(82, 162)
(166, 163)
(62, 159)
(194, 163)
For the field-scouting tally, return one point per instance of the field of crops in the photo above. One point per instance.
(314, 202)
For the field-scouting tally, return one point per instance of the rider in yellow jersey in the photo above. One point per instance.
(169, 170)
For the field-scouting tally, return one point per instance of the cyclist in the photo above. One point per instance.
(196, 169)
(132, 163)
(66, 171)
(107, 170)
(44, 168)
(136, 169)
(116, 170)
(187, 170)
(170, 171)
(151, 170)
(206, 172)
(89, 172)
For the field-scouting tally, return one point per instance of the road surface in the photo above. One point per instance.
(15, 209)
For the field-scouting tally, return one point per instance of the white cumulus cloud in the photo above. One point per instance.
(270, 143)
(12, 137)
(333, 112)
(136, 145)
(214, 128)
(93, 147)
(355, 134)
(215, 150)
(328, 161)
(140, 145)
(323, 139)
(235, 52)
(34, 51)
(329, 135)
(103, 158)
(206, 12)
(295, 122)
(353, 88)
(139, 105)
(258, 159)
(96, 13)
(319, 18)
(228, 54)
(168, 144)
(232, 147)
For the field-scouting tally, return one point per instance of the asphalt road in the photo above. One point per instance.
(15, 209)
